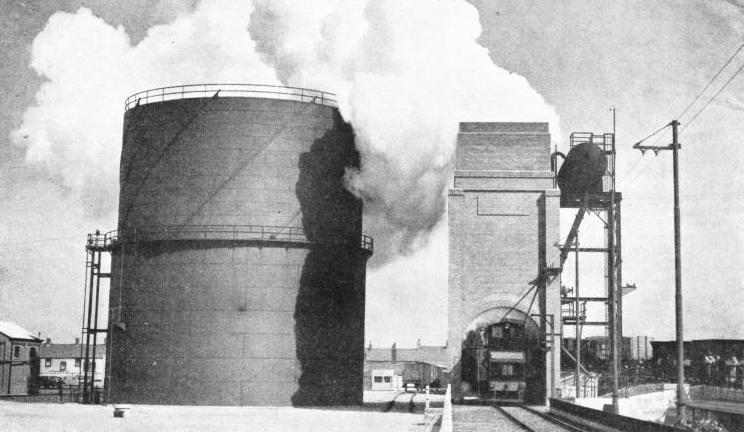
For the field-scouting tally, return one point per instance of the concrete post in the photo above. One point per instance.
(447, 412)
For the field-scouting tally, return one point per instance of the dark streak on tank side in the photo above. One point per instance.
(329, 312)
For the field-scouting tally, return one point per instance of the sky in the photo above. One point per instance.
(439, 62)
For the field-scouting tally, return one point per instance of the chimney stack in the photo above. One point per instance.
(393, 353)
(77, 341)
(418, 343)
(48, 341)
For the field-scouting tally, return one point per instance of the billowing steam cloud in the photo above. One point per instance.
(406, 72)
(91, 67)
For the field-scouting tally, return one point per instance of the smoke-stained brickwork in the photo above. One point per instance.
(240, 276)
(503, 227)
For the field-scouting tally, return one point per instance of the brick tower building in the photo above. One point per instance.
(503, 231)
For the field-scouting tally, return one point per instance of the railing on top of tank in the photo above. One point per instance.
(99, 240)
(230, 90)
(218, 232)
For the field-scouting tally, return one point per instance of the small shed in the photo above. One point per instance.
(386, 379)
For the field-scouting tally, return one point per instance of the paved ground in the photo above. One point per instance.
(649, 406)
(37, 417)
(401, 401)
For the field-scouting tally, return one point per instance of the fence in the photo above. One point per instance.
(225, 233)
(190, 91)
(704, 393)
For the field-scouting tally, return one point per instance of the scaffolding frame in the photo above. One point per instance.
(607, 203)
(96, 245)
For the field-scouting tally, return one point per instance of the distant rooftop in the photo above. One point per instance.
(15, 332)
(69, 351)
(436, 355)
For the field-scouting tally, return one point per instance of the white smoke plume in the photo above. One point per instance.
(90, 67)
(405, 71)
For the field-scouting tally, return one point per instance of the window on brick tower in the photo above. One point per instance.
(77, 362)
(16, 351)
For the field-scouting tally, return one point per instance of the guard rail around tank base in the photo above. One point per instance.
(258, 233)
(190, 91)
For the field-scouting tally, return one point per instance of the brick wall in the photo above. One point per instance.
(504, 223)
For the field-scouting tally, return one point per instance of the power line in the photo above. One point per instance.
(53, 239)
(711, 80)
(701, 196)
(653, 133)
(632, 168)
(700, 93)
(714, 96)
(638, 174)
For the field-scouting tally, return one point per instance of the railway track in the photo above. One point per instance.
(399, 403)
(531, 420)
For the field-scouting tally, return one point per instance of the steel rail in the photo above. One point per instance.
(513, 419)
(543, 416)
(554, 419)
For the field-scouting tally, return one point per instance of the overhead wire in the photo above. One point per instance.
(652, 133)
(685, 110)
(646, 165)
(632, 168)
(627, 183)
(636, 164)
(697, 97)
(32, 241)
(738, 71)
(701, 92)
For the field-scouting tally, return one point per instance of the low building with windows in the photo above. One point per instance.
(392, 368)
(386, 379)
(64, 363)
(19, 362)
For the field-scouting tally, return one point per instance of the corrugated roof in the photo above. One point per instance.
(68, 351)
(14, 331)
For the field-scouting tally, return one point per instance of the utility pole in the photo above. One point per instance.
(675, 147)
(678, 280)
(577, 306)
(612, 291)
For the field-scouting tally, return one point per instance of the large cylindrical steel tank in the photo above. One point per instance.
(582, 170)
(239, 272)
